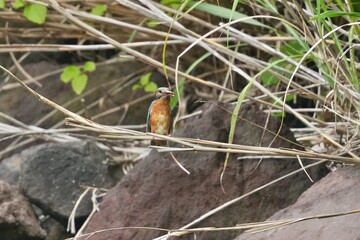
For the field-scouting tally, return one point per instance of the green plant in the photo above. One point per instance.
(289, 98)
(78, 76)
(99, 10)
(2, 4)
(145, 83)
(34, 12)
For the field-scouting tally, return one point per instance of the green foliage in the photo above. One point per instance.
(289, 98)
(99, 10)
(325, 14)
(171, 3)
(152, 24)
(89, 66)
(223, 12)
(269, 79)
(77, 76)
(150, 87)
(2, 4)
(79, 83)
(175, 99)
(145, 83)
(69, 73)
(33, 12)
(18, 4)
(294, 50)
(233, 120)
(330, 14)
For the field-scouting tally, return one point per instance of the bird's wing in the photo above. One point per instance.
(148, 124)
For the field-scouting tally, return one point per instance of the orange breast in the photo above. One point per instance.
(160, 117)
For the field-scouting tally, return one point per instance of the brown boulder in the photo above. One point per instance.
(156, 193)
(337, 192)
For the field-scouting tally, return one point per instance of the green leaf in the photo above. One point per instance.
(35, 13)
(169, 2)
(268, 79)
(18, 4)
(290, 97)
(330, 14)
(70, 72)
(89, 66)
(145, 79)
(151, 87)
(233, 120)
(136, 86)
(224, 13)
(2, 4)
(356, 6)
(293, 48)
(174, 4)
(152, 24)
(279, 114)
(79, 83)
(99, 10)
(175, 99)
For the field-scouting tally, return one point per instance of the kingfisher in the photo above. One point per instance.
(159, 114)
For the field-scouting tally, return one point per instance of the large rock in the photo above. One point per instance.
(17, 219)
(53, 176)
(157, 193)
(335, 193)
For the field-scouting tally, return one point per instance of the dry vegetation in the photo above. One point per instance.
(291, 58)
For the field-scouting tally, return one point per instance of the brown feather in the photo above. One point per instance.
(160, 119)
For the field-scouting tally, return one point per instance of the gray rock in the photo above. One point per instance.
(10, 169)
(17, 219)
(53, 176)
(338, 192)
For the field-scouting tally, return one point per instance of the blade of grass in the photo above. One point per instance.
(234, 118)
(225, 13)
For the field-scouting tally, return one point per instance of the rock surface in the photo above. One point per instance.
(156, 193)
(17, 219)
(52, 176)
(10, 169)
(29, 110)
(338, 192)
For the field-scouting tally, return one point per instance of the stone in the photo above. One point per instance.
(157, 193)
(10, 169)
(54, 175)
(17, 218)
(338, 192)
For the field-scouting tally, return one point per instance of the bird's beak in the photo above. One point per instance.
(169, 93)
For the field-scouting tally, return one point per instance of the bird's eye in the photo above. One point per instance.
(159, 91)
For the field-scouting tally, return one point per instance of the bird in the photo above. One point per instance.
(159, 114)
